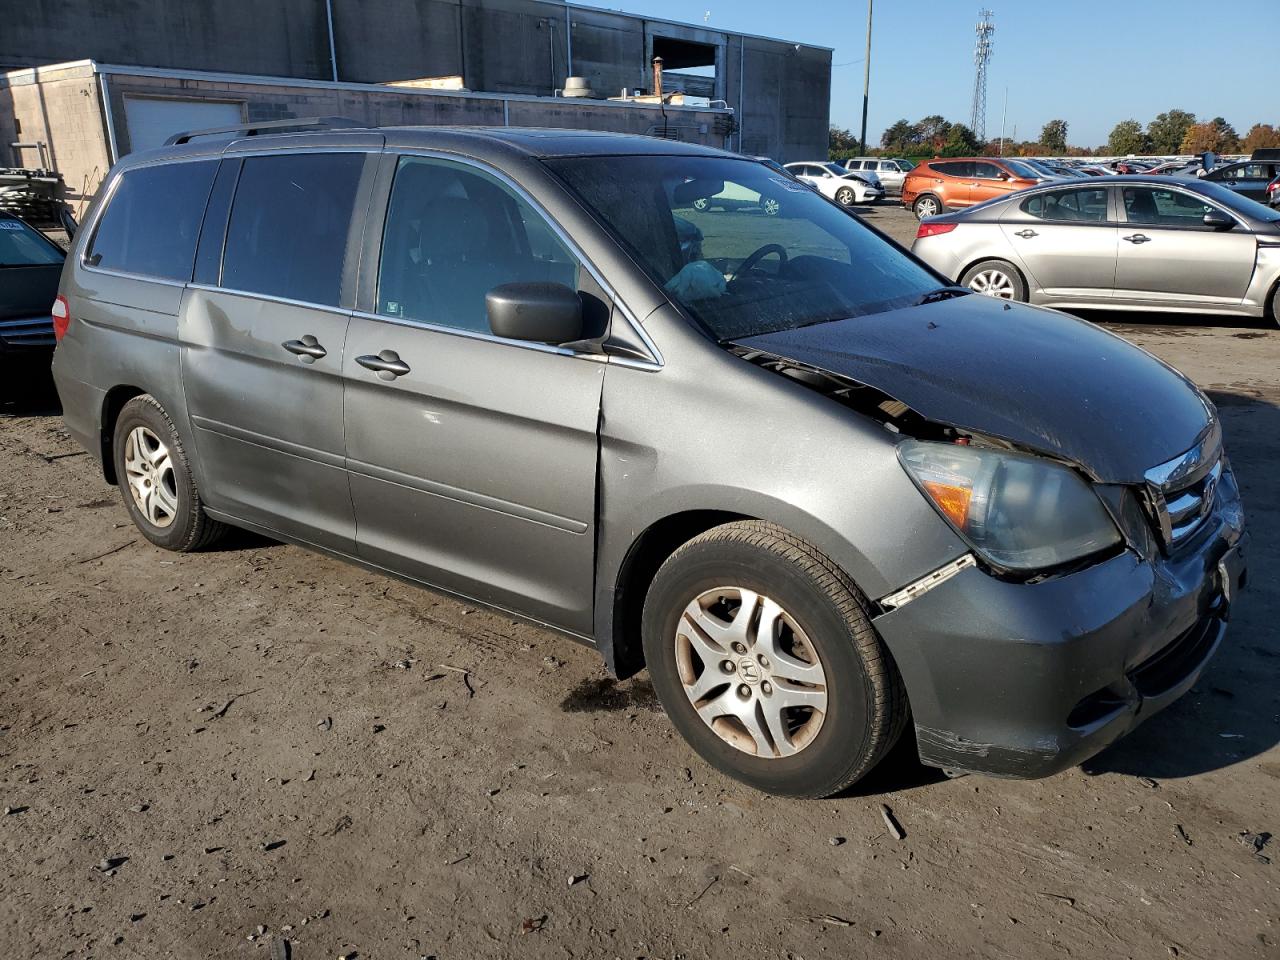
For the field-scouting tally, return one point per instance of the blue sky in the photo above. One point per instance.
(1089, 62)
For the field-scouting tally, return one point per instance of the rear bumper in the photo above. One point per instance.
(1026, 680)
(81, 409)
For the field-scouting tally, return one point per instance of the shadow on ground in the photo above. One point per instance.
(26, 388)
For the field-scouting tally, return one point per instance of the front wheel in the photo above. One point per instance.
(845, 197)
(763, 656)
(995, 278)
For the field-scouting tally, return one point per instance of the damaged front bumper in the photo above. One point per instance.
(1027, 679)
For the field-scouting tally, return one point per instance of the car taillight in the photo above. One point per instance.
(934, 229)
(1274, 186)
(61, 313)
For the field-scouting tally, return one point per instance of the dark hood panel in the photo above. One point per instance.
(1038, 378)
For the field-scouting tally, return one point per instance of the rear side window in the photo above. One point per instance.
(1083, 205)
(152, 221)
(953, 168)
(289, 226)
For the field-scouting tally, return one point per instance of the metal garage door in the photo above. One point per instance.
(152, 120)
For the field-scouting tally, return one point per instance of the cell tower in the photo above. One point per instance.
(981, 56)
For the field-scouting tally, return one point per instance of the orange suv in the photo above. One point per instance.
(948, 183)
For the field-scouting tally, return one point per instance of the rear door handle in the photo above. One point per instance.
(1137, 238)
(1026, 234)
(387, 364)
(308, 348)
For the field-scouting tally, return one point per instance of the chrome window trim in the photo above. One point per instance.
(270, 297)
(506, 179)
(478, 335)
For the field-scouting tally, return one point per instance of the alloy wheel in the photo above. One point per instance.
(928, 207)
(994, 283)
(772, 206)
(750, 672)
(149, 470)
(844, 197)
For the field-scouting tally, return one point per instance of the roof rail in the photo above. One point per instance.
(271, 126)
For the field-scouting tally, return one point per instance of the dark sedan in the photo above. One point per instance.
(30, 266)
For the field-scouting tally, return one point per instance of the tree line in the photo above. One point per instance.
(1171, 132)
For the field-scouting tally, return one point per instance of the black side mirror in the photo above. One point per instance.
(68, 222)
(539, 312)
(1218, 220)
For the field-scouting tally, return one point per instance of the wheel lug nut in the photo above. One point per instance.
(766, 687)
(739, 648)
(764, 661)
(727, 666)
(744, 691)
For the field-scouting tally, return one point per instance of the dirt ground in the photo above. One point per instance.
(215, 755)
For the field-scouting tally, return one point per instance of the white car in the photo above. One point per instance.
(890, 173)
(836, 183)
(737, 197)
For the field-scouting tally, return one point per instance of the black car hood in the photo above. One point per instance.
(1035, 377)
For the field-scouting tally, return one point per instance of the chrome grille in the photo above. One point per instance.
(1181, 492)
(27, 332)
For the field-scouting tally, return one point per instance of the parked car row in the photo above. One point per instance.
(1126, 242)
(776, 460)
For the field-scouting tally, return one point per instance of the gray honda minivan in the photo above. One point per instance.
(820, 494)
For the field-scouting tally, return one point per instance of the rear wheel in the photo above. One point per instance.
(926, 205)
(1275, 306)
(155, 479)
(995, 278)
(764, 658)
(845, 196)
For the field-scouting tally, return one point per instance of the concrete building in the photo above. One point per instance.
(269, 59)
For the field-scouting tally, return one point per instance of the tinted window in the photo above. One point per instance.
(152, 220)
(986, 171)
(1025, 171)
(1167, 208)
(454, 233)
(289, 225)
(21, 246)
(739, 272)
(1087, 205)
(954, 168)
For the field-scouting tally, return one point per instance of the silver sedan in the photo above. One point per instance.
(1126, 243)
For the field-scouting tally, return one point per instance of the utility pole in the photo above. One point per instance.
(1004, 114)
(866, 83)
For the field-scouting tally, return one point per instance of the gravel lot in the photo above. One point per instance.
(204, 755)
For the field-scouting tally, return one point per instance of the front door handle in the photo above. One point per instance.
(308, 348)
(1026, 234)
(1137, 238)
(387, 364)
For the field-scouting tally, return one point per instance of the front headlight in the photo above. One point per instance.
(1019, 512)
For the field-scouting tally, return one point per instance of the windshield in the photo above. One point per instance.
(741, 249)
(906, 166)
(1025, 171)
(1236, 202)
(21, 246)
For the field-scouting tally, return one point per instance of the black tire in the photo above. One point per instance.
(867, 704)
(927, 205)
(1275, 303)
(845, 196)
(1012, 281)
(188, 528)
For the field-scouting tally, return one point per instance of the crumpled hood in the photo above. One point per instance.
(1038, 378)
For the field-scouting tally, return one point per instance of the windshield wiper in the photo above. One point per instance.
(942, 293)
